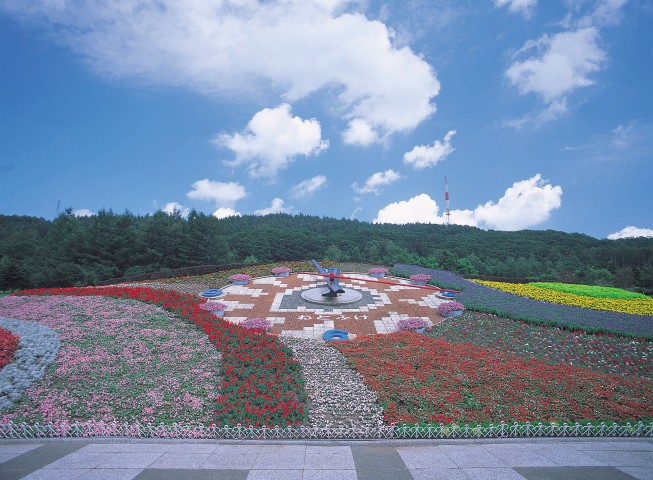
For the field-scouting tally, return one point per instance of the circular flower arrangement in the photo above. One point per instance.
(258, 323)
(449, 309)
(420, 278)
(240, 278)
(217, 308)
(378, 272)
(411, 323)
(281, 271)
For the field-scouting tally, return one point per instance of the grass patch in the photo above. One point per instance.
(590, 290)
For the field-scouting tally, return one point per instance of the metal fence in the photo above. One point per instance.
(499, 430)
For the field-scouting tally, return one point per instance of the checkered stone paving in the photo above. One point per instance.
(383, 303)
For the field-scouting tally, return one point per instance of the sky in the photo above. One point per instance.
(537, 113)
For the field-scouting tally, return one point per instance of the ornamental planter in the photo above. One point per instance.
(211, 292)
(377, 275)
(239, 282)
(419, 330)
(454, 313)
(218, 313)
(419, 284)
(283, 274)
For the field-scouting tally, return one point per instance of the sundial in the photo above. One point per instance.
(306, 304)
(332, 294)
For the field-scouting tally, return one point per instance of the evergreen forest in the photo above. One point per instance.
(71, 250)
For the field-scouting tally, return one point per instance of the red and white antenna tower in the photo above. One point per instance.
(446, 198)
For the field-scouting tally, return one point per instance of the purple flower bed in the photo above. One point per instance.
(483, 299)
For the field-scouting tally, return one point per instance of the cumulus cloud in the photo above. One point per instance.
(374, 183)
(525, 7)
(359, 132)
(631, 232)
(554, 66)
(277, 206)
(224, 212)
(424, 156)
(527, 203)
(83, 212)
(308, 187)
(244, 47)
(173, 207)
(419, 209)
(220, 193)
(562, 63)
(273, 138)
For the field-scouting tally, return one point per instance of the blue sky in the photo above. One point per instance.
(539, 113)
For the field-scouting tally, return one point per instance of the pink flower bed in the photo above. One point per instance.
(120, 360)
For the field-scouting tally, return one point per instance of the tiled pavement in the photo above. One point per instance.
(509, 459)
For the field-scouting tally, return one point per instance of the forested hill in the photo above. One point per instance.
(69, 250)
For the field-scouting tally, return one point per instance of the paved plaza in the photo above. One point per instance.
(509, 459)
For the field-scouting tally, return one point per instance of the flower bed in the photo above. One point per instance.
(117, 360)
(377, 271)
(281, 270)
(261, 324)
(447, 308)
(445, 382)
(635, 306)
(240, 278)
(590, 290)
(8, 347)
(411, 323)
(262, 385)
(483, 299)
(214, 306)
(606, 353)
(420, 278)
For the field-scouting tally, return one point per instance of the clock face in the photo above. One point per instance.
(369, 306)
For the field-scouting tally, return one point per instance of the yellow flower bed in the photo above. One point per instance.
(636, 306)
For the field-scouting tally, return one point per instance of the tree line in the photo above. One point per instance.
(68, 250)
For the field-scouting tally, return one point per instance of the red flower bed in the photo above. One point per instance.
(425, 380)
(262, 384)
(8, 346)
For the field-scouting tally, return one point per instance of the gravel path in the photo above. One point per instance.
(338, 397)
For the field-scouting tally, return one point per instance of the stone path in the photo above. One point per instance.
(514, 459)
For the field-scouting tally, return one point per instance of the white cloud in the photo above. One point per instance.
(549, 113)
(83, 212)
(308, 187)
(376, 181)
(527, 203)
(419, 209)
(626, 142)
(276, 207)
(424, 156)
(173, 207)
(245, 47)
(607, 12)
(360, 133)
(224, 212)
(631, 232)
(218, 192)
(563, 62)
(525, 7)
(272, 139)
